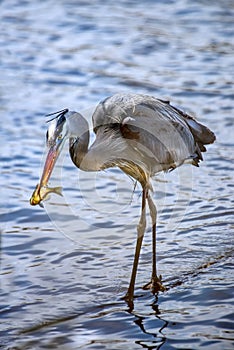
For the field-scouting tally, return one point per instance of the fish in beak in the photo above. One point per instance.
(41, 193)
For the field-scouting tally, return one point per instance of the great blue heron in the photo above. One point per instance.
(139, 134)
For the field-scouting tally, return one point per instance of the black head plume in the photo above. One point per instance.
(57, 114)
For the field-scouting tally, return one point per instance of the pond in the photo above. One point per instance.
(66, 268)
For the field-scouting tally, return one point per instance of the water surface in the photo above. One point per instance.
(65, 268)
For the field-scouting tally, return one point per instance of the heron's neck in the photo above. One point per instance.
(78, 148)
(99, 155)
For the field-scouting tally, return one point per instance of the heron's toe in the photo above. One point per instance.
(155, 285)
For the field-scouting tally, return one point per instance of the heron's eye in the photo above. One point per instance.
(60, 137)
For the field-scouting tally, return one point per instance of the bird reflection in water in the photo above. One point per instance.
(141, 135)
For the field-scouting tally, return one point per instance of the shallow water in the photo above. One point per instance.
(65, 268)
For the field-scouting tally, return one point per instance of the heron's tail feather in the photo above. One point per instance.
(202, 135)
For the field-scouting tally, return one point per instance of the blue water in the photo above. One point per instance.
(65, 268)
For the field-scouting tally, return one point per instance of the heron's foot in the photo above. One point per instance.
(128, 298)
(155, 285)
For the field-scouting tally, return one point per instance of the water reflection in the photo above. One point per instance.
(152, 325)
(104, 320)
(157, 336)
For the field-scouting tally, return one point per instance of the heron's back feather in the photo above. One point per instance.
(141, 135)
(155, 133)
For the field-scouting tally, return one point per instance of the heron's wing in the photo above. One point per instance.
(116, 108)
(155, 130)
(202, 134)
(160, 134)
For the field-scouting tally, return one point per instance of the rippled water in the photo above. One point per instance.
(64, 269)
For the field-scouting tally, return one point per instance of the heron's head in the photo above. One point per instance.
(55, 137)
(57, 130)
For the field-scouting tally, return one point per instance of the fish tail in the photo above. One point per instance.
(58, 190)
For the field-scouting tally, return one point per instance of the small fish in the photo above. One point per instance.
(41, 193)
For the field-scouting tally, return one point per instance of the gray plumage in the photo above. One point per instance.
(139, 134)
(138, 131)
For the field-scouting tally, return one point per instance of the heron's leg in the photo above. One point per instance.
(140, 234)
(155, 285)
(153, 214)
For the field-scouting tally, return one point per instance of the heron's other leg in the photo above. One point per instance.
(155, 285)
(140, 234)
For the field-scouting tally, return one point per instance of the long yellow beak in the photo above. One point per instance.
(39, 192)
(49, 166)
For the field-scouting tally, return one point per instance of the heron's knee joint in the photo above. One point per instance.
(141, 229)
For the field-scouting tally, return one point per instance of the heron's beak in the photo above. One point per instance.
(50, 161)
(42, 190)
